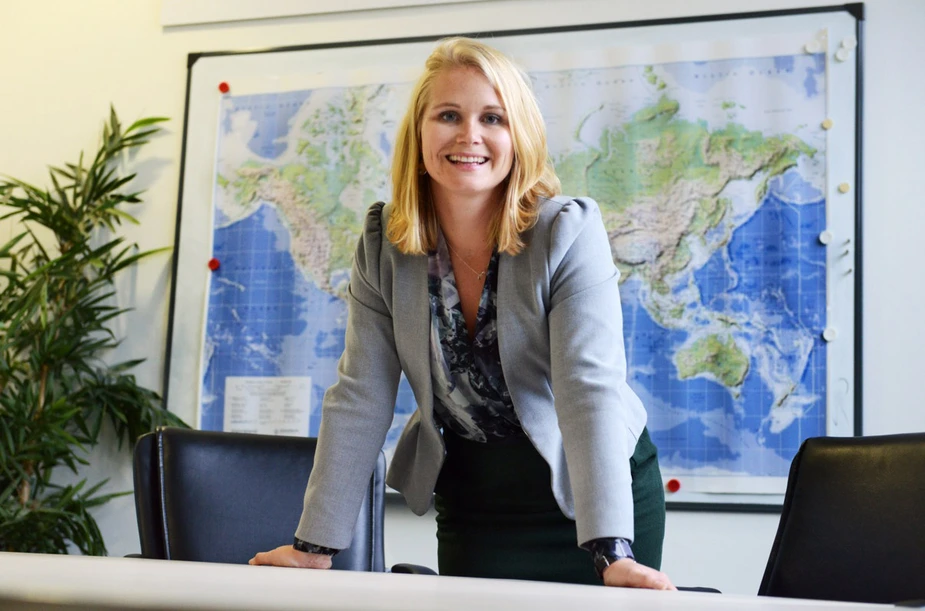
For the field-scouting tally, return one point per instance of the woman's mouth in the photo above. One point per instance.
(467, 159)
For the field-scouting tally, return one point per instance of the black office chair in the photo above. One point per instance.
(852, 526)
(221, 497)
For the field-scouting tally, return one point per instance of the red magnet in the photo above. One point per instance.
(224, 87)
(214, 264)
(673, 485)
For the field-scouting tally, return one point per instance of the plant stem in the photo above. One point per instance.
(25, 489)
(43, 380)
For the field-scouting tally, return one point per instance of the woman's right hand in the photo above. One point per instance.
(286, 555)
(627, 573)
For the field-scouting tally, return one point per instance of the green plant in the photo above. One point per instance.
(56, 391)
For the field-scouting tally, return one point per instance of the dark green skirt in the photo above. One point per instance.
(496, 515)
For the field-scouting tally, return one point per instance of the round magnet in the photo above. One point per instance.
(844, 187)
(812, 47)
(827, 124)
(825, 237)
(842, 54)
(214, 264)
(849, 42)
(224, 87)
(829, 334)
(673, 485)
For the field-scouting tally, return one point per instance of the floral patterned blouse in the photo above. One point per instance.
(470, 396)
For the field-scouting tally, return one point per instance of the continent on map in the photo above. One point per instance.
(332, 169)
(659, 182)
(715, 356)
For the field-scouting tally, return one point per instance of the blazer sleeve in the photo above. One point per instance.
(357, 410)
(594, 405)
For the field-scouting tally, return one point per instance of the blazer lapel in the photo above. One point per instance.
(512, 339)
(411, 315)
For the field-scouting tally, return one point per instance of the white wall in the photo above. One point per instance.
(63, 62)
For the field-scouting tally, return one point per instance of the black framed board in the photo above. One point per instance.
(724, 152)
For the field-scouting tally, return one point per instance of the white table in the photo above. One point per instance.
(35, 581)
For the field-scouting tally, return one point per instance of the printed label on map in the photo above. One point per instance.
(270, 406)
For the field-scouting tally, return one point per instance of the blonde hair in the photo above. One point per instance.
(412, 225)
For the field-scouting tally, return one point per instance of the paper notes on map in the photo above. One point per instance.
(270, 406)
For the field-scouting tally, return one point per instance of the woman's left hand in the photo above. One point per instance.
(628, 573)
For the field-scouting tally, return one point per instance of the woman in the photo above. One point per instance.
(500, 303)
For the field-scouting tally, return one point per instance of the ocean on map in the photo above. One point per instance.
(272, 113)
(293, 328)
(289, 329)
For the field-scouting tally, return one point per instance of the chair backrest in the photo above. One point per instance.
(852, 525)
(221, 497)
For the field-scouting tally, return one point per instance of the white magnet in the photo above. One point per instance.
(842, 54)
(813, 46)
(825, 237)
(844, 187)
(849, 42)
(827, 124)
(829, 334)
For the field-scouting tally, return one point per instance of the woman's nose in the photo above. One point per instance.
(469, 132)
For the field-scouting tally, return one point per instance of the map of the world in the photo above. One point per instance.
(710, 176)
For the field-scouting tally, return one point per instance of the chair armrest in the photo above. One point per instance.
(412, 569)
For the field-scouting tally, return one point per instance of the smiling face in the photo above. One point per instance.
(465, 139)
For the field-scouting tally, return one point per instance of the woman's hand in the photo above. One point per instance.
(628, 573)
(286, 555)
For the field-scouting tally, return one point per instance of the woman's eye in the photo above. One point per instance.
(448, 116)
(492, 119)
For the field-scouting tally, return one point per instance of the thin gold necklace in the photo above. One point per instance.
(478, 275)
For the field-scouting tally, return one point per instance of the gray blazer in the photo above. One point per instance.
(559, 327)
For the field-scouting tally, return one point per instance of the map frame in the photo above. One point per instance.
(246, 70)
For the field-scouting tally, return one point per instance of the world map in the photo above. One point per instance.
(710, 177)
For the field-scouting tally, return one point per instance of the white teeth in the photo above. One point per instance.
(465, 159)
